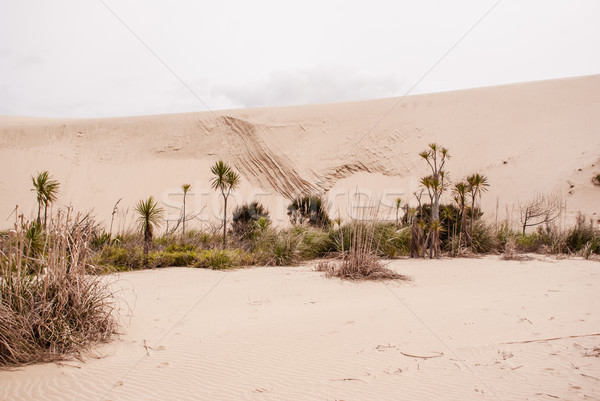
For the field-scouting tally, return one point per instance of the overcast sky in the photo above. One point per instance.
(75, 58)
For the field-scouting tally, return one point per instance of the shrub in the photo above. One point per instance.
(484, 238)
(99, 240)
(359, 259)
(173, 258)
(55, 312)
(309, 210)
(121, 258)
(596, 179)
(246, 217)
(180, 247)
(582, 236)
(313, 242)
(528, 242)
(387, 240)
(217, 259)
(278, 248)
(392, 242)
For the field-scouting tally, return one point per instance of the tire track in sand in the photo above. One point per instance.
(257, 161)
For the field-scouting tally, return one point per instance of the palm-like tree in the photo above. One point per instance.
(398, 203)
(185, 188)
(477, 184)
(150, 215)
(460, 191)
(46, 189)
(436, 157)
(224, 180)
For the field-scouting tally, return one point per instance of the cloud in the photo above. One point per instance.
(318, 85)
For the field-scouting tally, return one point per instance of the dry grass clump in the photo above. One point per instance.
(50, 309)
(359, 258)
(511, 251)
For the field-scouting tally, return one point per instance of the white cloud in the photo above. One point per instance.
(318, 85)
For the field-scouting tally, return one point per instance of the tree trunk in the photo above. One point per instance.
(414, 240)
(183, 229)
(472, 219)
(39, 218)
(147, 242)
(225, 223)
(45, 214)
(435, 210)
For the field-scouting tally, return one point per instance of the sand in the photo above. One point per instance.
(462, 329)
(526, 138)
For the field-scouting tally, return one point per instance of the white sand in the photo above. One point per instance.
(291, 334)
(526, 138)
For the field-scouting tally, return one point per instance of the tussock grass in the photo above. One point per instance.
(360, 242)
(51, 308)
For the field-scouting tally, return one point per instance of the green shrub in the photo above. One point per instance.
(484, 238)
(99, 240)
(310, 210)
(202, 239)
(397, 244)
(246, 217)
(121, 258)
(387, 241)
(180, 247)
(313, 242)
(281, 248)
(173, 259)
(218, 259)
(582, 236)
(532, 242)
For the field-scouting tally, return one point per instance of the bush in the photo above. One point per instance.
(278, 248)
(582, 236)
(180, 247)
(359, 259)
(529, 242)
(313, 242)
(121, 258)
(99, 240)
(55, 312)
(484, 238)
(246, 217)
(218, 259)
(309, 210)
(173, 259)
(388, 241)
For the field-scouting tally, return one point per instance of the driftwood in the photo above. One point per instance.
(541, 340)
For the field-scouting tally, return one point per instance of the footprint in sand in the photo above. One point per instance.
(162, 365)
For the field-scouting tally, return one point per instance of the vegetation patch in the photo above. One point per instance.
(51, 308)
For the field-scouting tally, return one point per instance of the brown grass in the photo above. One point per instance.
(360, 261)
(50, 308)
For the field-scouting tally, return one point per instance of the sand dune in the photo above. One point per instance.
(463, 329)
(531, 137)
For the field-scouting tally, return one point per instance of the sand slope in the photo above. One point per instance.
(525, 137)
(489, 327)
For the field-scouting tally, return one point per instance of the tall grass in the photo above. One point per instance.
(360, 242)
(50, 308)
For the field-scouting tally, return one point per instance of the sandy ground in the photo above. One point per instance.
(462, 329)
(526, 138)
